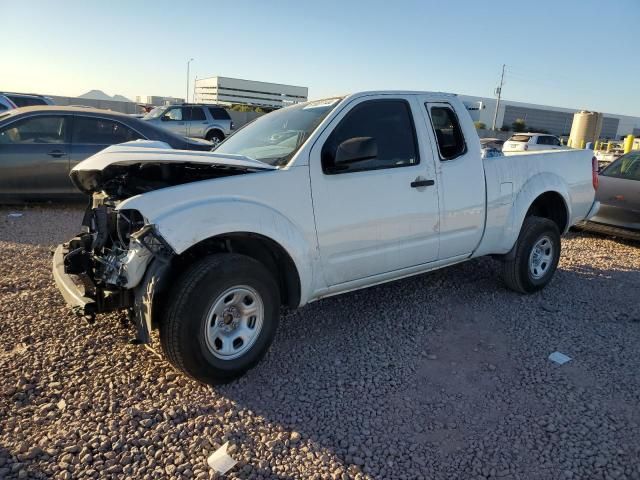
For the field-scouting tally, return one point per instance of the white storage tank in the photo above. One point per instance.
(586, 127)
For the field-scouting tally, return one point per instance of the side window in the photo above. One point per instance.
(374, 135)
(99, 131)
(33, 130)
(627, 166)
(218, 113)
(554, 141)
(541, 140)
(193, 114)
(174, 114)
(449, 136)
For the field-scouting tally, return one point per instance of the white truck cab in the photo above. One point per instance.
(306, 202)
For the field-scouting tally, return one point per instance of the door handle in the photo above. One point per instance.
(56, 153)
(420, 182)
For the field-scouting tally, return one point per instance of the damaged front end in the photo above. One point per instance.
(115, 263)
(118, 260)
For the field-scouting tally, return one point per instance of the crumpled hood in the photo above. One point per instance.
(145, 151)
(137, 167)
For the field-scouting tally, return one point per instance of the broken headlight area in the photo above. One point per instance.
(112, 254)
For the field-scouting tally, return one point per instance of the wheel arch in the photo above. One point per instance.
(215, 128)
(257, 246)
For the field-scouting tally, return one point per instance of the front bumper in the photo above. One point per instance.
(73, 294)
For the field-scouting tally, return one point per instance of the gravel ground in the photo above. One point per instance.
(439, 376)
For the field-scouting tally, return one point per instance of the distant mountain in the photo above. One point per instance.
(100, 95)
(121, 98)
(96, 95)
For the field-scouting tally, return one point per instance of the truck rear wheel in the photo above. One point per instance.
(221, 318)
(533, 262)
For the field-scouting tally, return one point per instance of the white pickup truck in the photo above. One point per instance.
(306, 202)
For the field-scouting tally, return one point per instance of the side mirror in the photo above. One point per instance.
(165, 118)
(356, 149)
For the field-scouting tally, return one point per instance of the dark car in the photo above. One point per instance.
(619, 197)
(40, 145)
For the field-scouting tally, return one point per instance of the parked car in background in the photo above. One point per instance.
(522, 142)
(494, 143)
(26, 99)
(308, 201)
(6, 104)
(619, 196)
(211, 122)
(40, 145)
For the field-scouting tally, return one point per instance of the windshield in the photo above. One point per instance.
(154, 113)
(274, 138)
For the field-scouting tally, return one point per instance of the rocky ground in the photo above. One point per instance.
(442, 376)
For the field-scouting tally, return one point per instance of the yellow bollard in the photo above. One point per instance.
(609, 146)
(582, 143)
(628, 143)
(597, 145)
(569, 143)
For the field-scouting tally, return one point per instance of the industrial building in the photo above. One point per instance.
(157, 100)
(555, 120)
(228, 91)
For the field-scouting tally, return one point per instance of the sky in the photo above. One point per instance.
(565, 53)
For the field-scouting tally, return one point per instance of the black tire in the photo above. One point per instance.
(215, 136)
(182, 331)
(517, 271)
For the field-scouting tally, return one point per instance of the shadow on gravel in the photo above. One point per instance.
(426, 367)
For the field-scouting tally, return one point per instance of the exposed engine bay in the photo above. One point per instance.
(118, 255)
(123, 181)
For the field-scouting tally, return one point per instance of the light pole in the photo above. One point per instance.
(188, 64)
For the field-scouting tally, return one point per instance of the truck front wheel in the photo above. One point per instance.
(221, 319)
(532, 263)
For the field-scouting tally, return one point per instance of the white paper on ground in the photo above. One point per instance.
(14, 215)
(559, 358)
(220, 460)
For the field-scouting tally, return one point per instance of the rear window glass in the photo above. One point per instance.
(219, 113)
(627, 166)
(26, 101)
(520, 138)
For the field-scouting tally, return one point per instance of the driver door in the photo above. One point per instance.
(174, 121)
(378, 215)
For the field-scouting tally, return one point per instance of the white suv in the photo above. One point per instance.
(211, 122)
(521, 142)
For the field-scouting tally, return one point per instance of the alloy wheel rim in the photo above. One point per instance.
(234, 322)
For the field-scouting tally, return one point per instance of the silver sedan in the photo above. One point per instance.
(619, 196)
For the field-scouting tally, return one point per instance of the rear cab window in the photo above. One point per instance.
(449, 136)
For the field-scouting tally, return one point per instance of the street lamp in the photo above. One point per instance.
(188, 64)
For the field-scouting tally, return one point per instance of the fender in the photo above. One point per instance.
(532, 189)
(184, 224)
